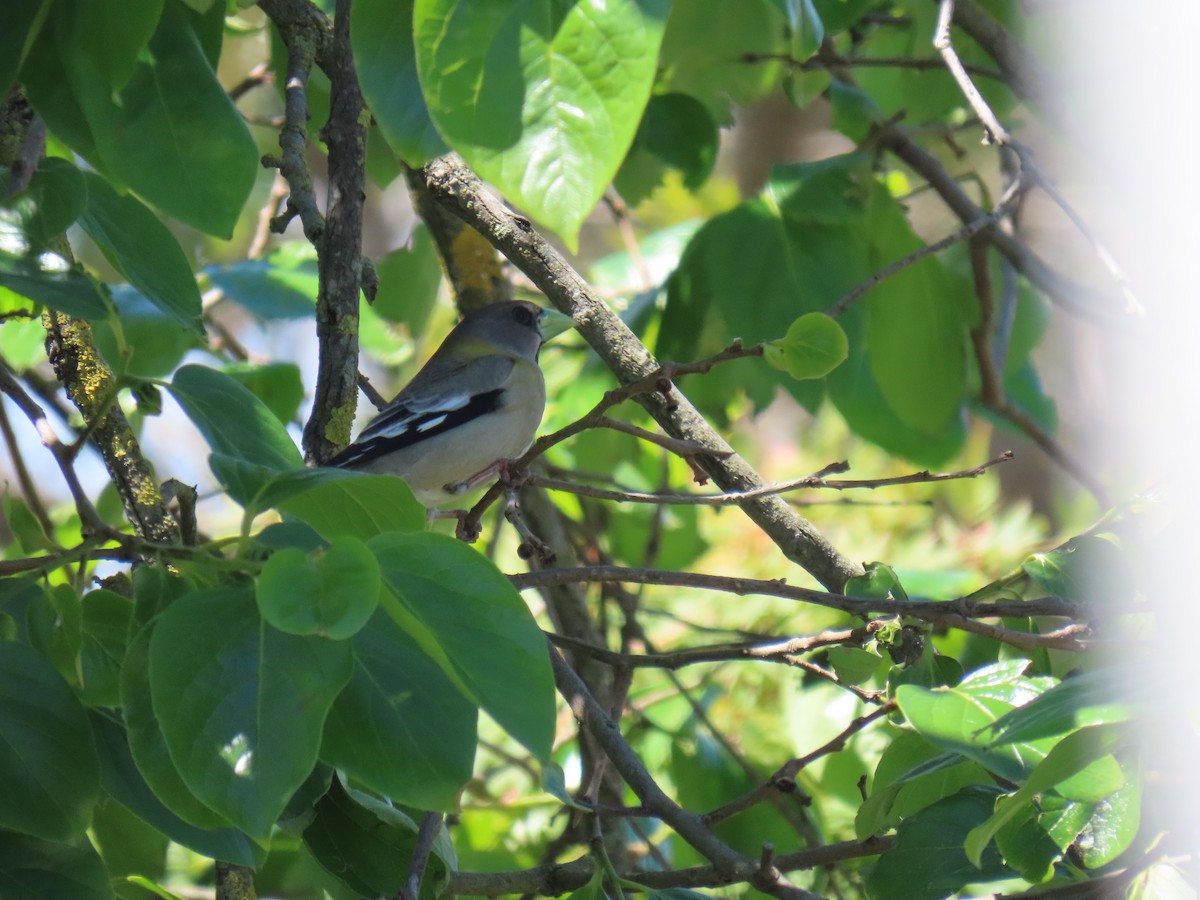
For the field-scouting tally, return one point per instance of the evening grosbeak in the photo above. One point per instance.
(476, 404)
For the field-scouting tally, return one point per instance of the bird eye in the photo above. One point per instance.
(523, 315)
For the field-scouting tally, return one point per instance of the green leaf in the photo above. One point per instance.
(19, 25)
(927, 861)
(554, 783)
(154, 344)
(401, 727)
(48, 206)
(50, 282)
(47, 759)
(1080, 752)
(381, 35)
(111, 34)
(171, 133)
(957, 718)
(331, 591)
(141, 248)
(409, 279)
(367, 844)
(1113, 825)
(1089, 698)
(277, 384)
(854, 665)
(804, 23)
(854, 110)
(541, 99)
(241, 705)
(35, 869)
(813, 347)
(1085, 569)
(107, 619)
(677, 132)
(337, 502)
(916, 325)
(483, 626)
(911, 775)
(704, 48)
(124, 783)
(148, 748)
(236, 424)
(879, 580)
(1026, 846)
(281, 286)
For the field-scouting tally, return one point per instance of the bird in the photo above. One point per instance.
(474, 406)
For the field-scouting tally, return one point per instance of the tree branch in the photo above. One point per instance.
(456, 186)
(340, 259)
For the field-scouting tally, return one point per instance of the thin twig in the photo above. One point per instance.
(88, 517)
(746, 650)
(783, 781)
(825, 60)
(994, 397)
(808, 482)
(554, 879)
(304, 30)
(972, 228)
(28, 488)
(950, 613)
(422, 848)
(997, 133)
(258, 76)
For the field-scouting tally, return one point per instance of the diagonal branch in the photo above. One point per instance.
(456, 186)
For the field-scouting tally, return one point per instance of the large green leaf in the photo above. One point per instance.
(1081, 758)
(35, 869)
(491, 642)
(47, 207)
(241, 705)
(1090, 698)
(125, 784)
(409, 279)
(401, 727)
(916, 329)
(48, 762)
(859, 398)
(281, 286)
(542, 99)
(381, 33)
(171, 133)
(367, 845)
(704, 49)
(50, 283)
(927, 861)
(238, 427)
(19, 25)
(336, 502)
(142, 249)
(911, 775)
(148, 747)
(111, 34)
(958, 718)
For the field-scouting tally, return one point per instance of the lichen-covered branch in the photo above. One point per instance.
(340, 262)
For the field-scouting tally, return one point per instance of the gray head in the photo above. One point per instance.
(514, 326)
